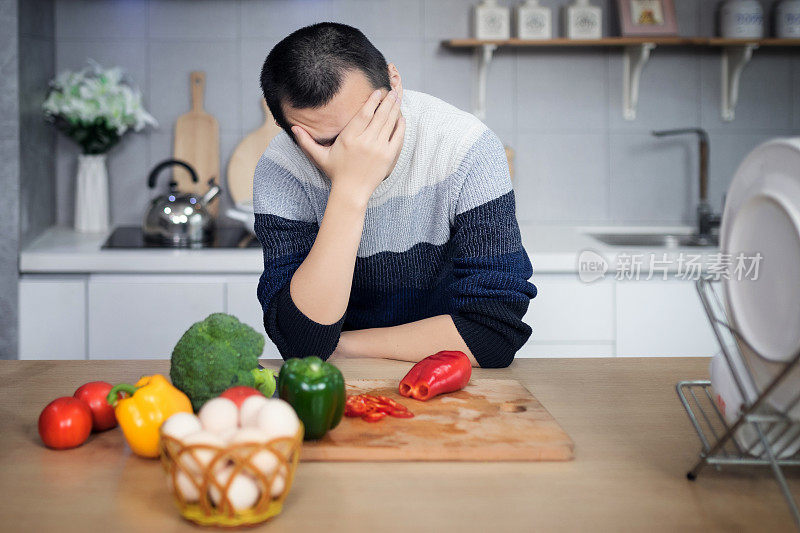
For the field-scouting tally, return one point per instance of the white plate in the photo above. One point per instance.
(729, 401)
(778, 156)
(762, 214)
(767, 307)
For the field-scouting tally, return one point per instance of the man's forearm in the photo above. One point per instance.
(407, 342)
(320, 287)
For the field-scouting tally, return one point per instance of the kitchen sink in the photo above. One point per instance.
(666, 240)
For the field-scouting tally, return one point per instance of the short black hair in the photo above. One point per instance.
(306, 68)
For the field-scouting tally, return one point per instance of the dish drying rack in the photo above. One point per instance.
(719, 448)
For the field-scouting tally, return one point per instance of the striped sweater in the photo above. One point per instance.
(440, 237)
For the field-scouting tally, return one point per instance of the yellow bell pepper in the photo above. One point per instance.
(148, 404)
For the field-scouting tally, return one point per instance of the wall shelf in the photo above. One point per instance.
(735, 54)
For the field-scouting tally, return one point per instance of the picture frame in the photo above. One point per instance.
(641, 18)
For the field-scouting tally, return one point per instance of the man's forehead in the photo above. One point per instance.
(321, 125)
(326, 122)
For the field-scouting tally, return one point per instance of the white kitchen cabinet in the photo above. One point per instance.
(569, 316)
(52, 317)
(563, 349)
(127, 316)
(142, 317)
(243, 304)
(661, 318)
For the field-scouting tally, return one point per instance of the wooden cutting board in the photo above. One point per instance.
(197, 143)
(242, 165)
(489, 420)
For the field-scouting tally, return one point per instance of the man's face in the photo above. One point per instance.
(325, 123)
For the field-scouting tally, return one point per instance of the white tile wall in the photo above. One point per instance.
(561, 91)
(564, 177)
(501, 111)
(100, 19)
(727, 151)
(446, 74)
(171, 62)
(73, 55)
(796, 93)
(652, 180)
(765, 93)
(392, 20)
(277, 18)
(406, 55)
(577, 160)
(658, 108)
(251, 57)
(192, 20)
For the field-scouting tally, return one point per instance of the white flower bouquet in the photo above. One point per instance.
(95, 107)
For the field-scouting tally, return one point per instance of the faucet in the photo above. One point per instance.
(707, 220)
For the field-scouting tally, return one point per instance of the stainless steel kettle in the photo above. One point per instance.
(178, 219)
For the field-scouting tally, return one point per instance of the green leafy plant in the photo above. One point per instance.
(95, 107)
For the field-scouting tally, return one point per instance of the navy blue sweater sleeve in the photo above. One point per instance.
(285, 227)
(491, 269)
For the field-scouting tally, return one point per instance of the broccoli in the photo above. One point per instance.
(218, 353)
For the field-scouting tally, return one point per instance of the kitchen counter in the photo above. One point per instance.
(553, 249)
(633, 446)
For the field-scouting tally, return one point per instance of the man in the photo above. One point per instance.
(386, 218)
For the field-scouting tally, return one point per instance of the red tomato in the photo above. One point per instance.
(94, 394)
(65, 423)
(239, 394)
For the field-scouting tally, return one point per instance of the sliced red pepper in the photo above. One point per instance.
(393, 404)
(374, 408)
(373, 417)
(355, 408)
(442, 372)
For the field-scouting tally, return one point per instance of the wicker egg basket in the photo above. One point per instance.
(175, 455)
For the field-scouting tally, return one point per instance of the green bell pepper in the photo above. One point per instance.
(315, 389)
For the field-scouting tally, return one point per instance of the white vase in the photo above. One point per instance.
(91, 194)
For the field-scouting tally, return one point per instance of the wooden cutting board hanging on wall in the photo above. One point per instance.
(197, 143)
(242, 164)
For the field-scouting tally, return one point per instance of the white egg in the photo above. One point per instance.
(278, 419)
(242, 493)
(180, 425)
(199, 458)
(185, 487)
(248, 412)
(228, 434)
(219, 415)
(265, 461)
(279, 483)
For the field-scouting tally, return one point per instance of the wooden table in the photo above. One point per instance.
(633, 445)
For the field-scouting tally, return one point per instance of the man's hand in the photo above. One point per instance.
(363, 153)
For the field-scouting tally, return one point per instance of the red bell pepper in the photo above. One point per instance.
(437, 374)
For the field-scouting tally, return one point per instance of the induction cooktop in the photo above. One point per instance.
(132, 237)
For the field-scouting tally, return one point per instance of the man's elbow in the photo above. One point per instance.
(301, 337)
(321, 350)
(497, 358)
